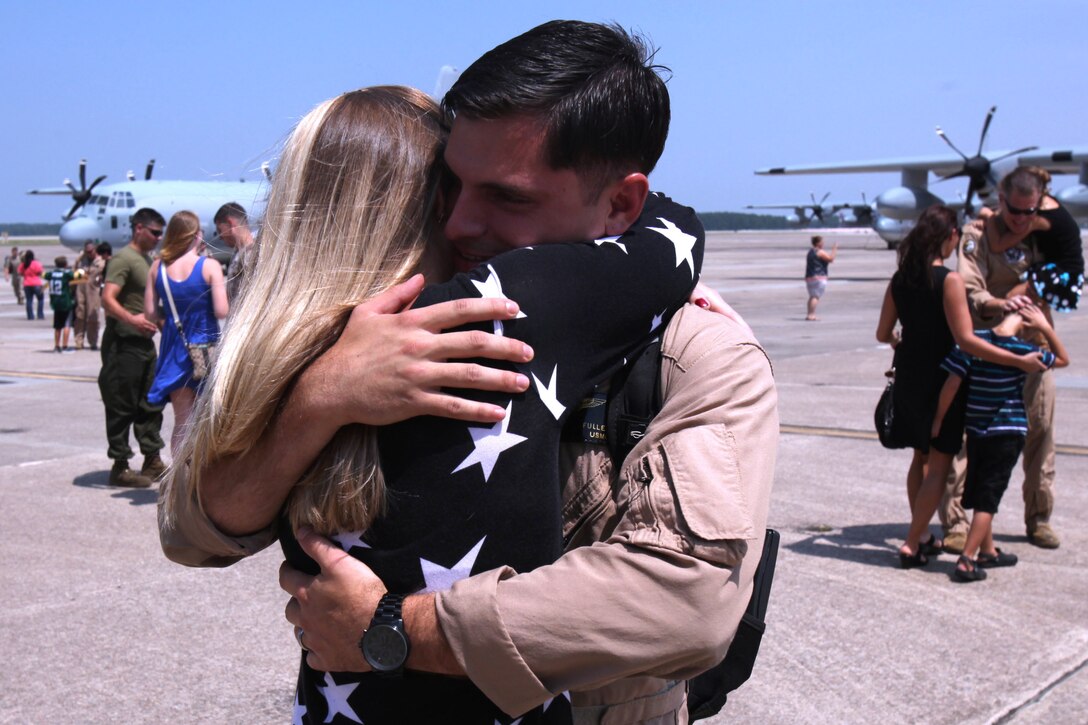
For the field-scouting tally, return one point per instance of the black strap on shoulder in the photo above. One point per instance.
(634, 399)
(708, 692)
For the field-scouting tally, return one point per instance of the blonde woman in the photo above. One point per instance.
(200, 297)
(353, 210)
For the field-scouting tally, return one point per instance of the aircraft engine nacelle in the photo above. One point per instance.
(892, 231)
(904, 203)
(798, 218)
(1075, 199)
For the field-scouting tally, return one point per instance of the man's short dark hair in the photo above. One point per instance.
(105, 249)
(146, 216)
(595, 89)
(231, 210)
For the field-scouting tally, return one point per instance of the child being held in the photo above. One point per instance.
(1059, 278)
(62, 300)
(996, 428)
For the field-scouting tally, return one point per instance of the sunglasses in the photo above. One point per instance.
(1020, 212)
(154, 232)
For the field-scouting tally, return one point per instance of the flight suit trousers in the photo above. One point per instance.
(1038, 462)
(88, 307)
(128, 369)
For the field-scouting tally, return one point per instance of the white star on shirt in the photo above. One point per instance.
(349, 540)
(680, 239)
(492, 287)
(611, 240)
(548, 396)
(337, 698)
(548, 702)
(297, 712)
(489, 443)
(656, 322)
(439, 578)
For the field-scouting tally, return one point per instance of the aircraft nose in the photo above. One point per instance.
(76, 231)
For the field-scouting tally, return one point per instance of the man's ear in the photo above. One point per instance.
(625, 198)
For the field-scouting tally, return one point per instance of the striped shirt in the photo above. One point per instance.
(995, 393)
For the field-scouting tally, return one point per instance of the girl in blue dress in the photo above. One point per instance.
(200, 298)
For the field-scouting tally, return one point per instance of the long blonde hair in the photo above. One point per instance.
(180, 233)
(349, 215)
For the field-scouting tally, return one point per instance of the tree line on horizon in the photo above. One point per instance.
(713, 221)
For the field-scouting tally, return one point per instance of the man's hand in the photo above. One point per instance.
(1015, 303)
(144, 325)
(709, 299)
(333, 608)
(390, 362)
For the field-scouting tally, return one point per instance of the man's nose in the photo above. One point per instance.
(465, 220)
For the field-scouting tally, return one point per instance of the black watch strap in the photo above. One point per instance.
(389, 610)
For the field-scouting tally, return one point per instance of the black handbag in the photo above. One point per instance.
(884, 415)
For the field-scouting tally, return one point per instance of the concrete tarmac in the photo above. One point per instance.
(98, 626)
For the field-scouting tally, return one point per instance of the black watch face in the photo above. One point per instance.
(385, 648)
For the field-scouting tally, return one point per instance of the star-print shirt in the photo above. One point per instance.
(465, 498)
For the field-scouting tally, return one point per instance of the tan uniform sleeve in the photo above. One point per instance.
(972, 265)
(663, 594)
(189, 537)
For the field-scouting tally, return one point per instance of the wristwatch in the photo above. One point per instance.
(385, 643)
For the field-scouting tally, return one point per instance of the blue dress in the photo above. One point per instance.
(193, 299)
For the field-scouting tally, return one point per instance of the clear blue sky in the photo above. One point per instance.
(210, 88)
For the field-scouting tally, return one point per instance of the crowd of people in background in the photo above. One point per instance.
(135, 380)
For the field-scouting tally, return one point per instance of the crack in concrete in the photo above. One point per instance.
(1015, 710)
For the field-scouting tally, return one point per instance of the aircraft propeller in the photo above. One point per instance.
(83, 194)
(817, 206)
(978, 168)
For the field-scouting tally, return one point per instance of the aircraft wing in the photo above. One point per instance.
(937, 164)
(1060, 160)
(779, 206)
(59, 191)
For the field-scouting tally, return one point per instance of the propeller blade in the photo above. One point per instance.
(83, 173)
(72, 212)
(985, 128)
(953, 175)
(150, 168)
(949, 142)
(824, 198)
(1014, 153)
(68, 183)
(95, 183)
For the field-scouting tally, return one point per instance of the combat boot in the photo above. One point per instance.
(1043, 536)
(153, 466)
(123, 476)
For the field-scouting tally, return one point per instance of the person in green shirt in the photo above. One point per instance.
(128, 357)
(62, 301)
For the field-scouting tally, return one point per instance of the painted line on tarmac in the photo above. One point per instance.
(49, 376)
(815, 430)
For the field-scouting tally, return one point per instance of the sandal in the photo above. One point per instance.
(971, 572)
(910, 561)
(999, 558)
(932, 547)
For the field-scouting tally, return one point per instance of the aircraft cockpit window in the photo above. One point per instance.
(130, 202)
(113, 201)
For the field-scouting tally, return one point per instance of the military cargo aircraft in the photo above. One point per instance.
(103, 213)
(896, 209)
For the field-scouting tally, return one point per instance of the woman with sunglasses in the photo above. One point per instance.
(1028, 208)
(930, 301)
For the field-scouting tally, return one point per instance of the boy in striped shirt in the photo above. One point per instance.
(996, 427)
